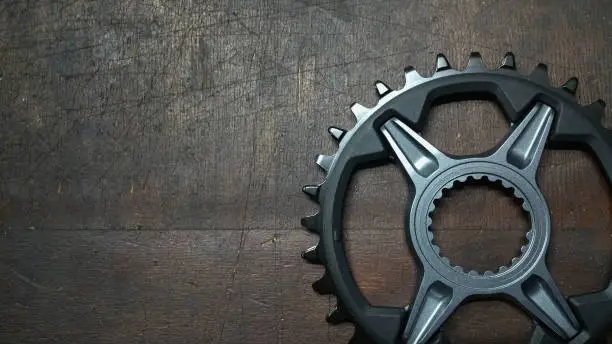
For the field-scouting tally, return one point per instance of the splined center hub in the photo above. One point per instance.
(490, 281)
(498, 256)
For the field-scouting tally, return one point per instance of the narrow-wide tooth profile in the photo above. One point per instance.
(359, 111)
(338, 315)
(325, 161)
(475, 61)
(571, 85)
(312, 191)
(324, 285)
(312, 255)
(442, 63)
(381, 88)
(540, 73)
(509, 62)
(336, 133)
(311, 223)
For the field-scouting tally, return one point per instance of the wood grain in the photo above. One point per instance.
(152, 154)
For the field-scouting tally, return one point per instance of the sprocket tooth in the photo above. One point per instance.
(325, 161)
(381, 88)
(475, 61)
(411, 76)
(312, 255)
(359, 111)
(324, 285)
(311, 223)
(312, 191)
(596, 109)
(442, 63)
(540, 74)
(336, 132)
(339, 315)
(571, 85)
(360, 337)
(509, 61)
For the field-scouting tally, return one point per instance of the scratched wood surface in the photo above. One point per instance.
(152, 153)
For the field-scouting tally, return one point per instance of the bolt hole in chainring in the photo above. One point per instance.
(540, 114)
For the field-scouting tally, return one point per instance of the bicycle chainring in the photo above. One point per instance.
(541, 116)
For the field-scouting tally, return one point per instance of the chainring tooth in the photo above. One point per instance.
(312, 191)
(313, 255)
(597, 110)
(442, 63)
(411, 76)
(359, 111)
(381, 88)
(311, 223)
(336, 133)
(475, 62)
(324, 285)
(339, 315)
(540, 74)
(508, 62)
(571, 85)
(325, 161)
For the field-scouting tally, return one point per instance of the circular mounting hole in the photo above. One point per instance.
(480, 225)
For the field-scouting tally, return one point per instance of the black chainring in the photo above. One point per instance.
(574, 126)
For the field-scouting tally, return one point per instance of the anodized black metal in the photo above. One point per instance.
(364, 145)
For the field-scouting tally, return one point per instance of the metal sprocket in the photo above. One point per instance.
(540, 115)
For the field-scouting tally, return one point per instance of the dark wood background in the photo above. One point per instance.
(152, 154)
